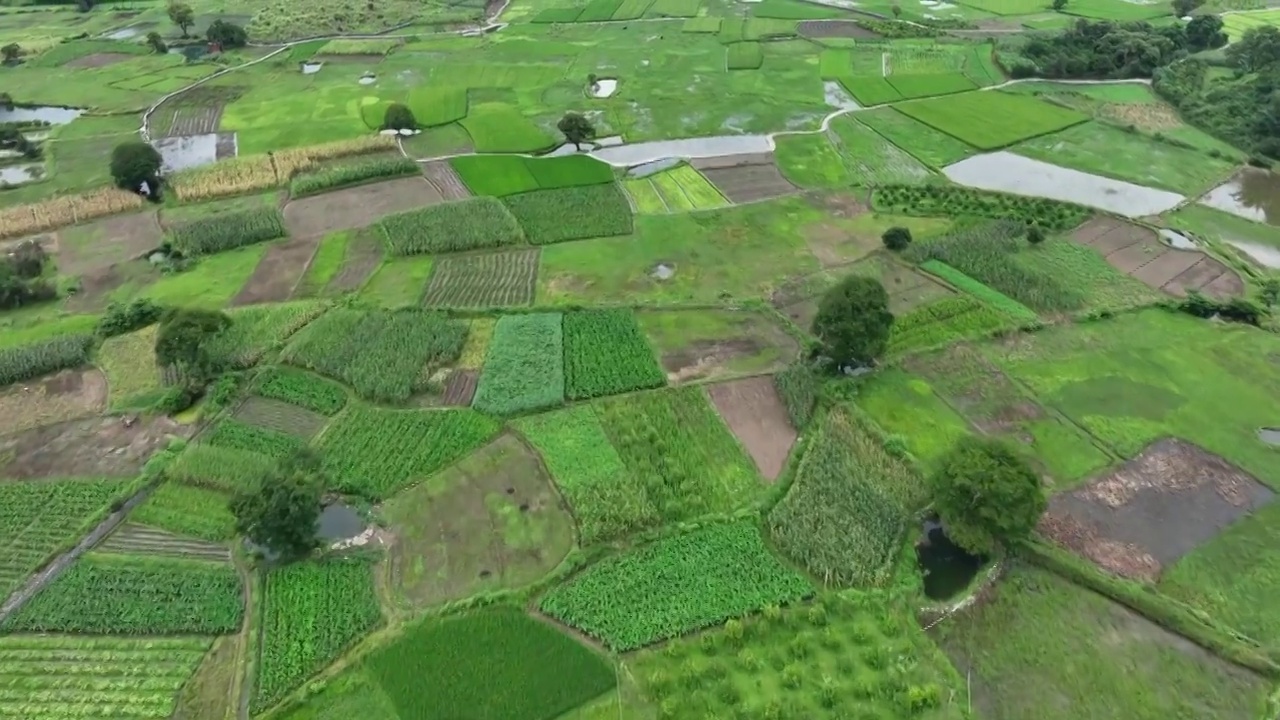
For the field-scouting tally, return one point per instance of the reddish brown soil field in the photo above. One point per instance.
(1145, 515)
(278, 272)
(1138, 251)
(280, 416)
(754, 412)
(834, 28)
(1166, 267)
(102, 243)
(460, 388)
(750, 183)
(97, 60)
(105, 446)
(358, 206)
(445, 180)
(56, 398)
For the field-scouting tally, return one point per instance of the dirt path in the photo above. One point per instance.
(37, 582)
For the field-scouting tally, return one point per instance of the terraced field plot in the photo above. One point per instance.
(1138, 252)
(681, 189)
(968, 117)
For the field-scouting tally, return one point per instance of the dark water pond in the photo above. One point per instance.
(1253, 194)
(44, 113)
(190, 52)
(947, 568)
(1270, 436)
(339, 522)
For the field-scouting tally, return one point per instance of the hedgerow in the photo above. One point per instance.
(302, 389)
(380, 353)
(235, 435)
(470, 224)
(606, 353)
(675, 586)
(524, 366)
(58, 353)
(375, 452)
(311, 613)
(551, 216)
(844, 516)
(955, 201)
(352, 173)
(134, 595)
(798, 387)
(492, 663)
(227, 231)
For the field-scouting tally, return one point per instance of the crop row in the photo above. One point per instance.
(797, 385)
(978, 290)
(21, 220)
(953, 201)
(968, 117)
(116, 594)
(470, 224)
(493, 279)
(500, 175)
(220, 468)
(675, 586)
(375, 452)
(352, 173)
(227, 231)
(256, 329)
(524, 366)
(235, 435)
(187, 510)
(379, 353)
(606, 353)
(58, 353)
(946, 321)
(301, 388)
(575, 213)
(311, 613)
(844, 516)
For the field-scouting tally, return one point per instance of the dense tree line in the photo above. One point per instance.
(1107, 50)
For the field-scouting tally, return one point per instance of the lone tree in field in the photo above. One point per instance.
(134, 163)
(853, 322)
(896, 10)
(577, 128)
(399, 117)
(183, 16)
(986, 494)
(157, 43)
(1059, 5)
(226, 35)
(182, 342)
(11, 53)
(1035, 235)
(896, 238)
(281, 514)
(1204, 32)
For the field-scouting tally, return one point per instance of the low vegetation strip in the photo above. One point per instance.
(380, 353)
(491, 663)
(497, 279)
(949, 320)
(187, 510)
(524, 366)
(437, 105)
(56, 677)
(977, 290)
(501, 128)
(551, 216)
(135, 595)
(744, 56)
(257, 329)
(606, 354)
(312, 612)
(353, 173)
(41, 358)
(253, 173)
(375, 452)
(844, 516)
(500, 175)
(675, 586)
(953, 201)
(798, 387)
(470, 224)
(220, 468)
(228, 231)
(234, 435)
(968, 117)
(301, 388)
(929, 84)
(21, 220)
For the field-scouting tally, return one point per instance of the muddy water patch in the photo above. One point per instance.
(946, 567)
(311, 68)
(188, 151)
(42, 113)
(1253, 194)
(1006, 172)
(1263, 254)
(1269, 435)
(834, 94)
(603, 88)
(1177, 240)
(640, 153)
(337, 522)
(653, 168)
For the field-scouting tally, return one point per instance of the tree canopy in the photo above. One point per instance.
(182, 15)
(281, 513)
(577, 128)
(133, 163)
(183, 337)
(228, 35)
(853, 321)
(986, 494)
(399, 117)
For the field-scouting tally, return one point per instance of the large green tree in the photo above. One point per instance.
(853, 321)
(133, 163)
(182, 341)
(986, 494)
(183, 16)
(281, 514)
(577, 128)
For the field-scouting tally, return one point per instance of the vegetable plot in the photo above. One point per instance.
(606, 354)
(301, 388)
(228, 231)
(471, 224)
(27, 361)
(524, 366)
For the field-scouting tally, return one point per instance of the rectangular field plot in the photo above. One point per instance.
(606, 354)
(186, 510)
(929, 146)
(218, 468)
(487, 280)
(675, 586)
(524, 365)
(968, 117)
(280, 416)
(301, 388)
(749, 182)
(1237, 24)
(136, 539)
(1109, 662)
(500, 175)
(871, 159)
(916, 85)
(681, 189)
(575, 213)
(55, 677)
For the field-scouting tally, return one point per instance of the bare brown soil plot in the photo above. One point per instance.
(364, 254)
(280, 416)
(1148, 116)
(358, 206)
(106, 446)
(754, 412)
(1148, 513)
(730, 343)
(445, 179)
(1208, 276)
(1137, 251)
(1228, 284)
(750, 183)
(131, 538)
(97, 60)
(105, 242)
(1129, 259)
(96, 286)
(57, 398)
(460, 388)
(1107, 234)
(834, 28)
(278, 272)
(1167, 266)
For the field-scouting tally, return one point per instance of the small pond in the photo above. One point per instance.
(19, 174)
(124, 33)
(640, 153)
(368, 79)
(947, 568)
(1266, 255)
(1270, 435)
(44, 113)
(1252, 194)
(311, 68)
(1177, 240)
(604, 87)
(190, 52)
(338, 522)
(180, 153)
(663, 271)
